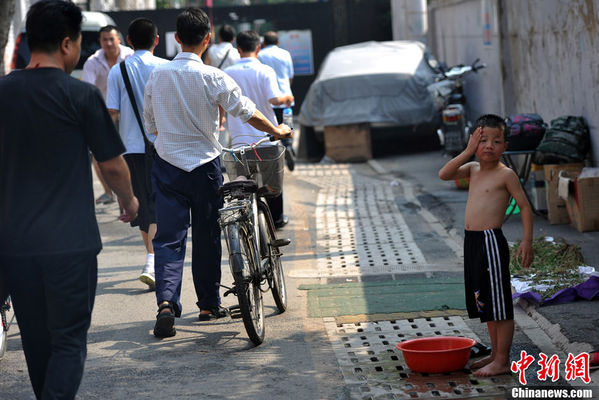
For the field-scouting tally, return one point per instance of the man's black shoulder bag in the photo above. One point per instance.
(149, 147)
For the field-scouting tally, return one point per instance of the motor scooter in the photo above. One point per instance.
(449, 89)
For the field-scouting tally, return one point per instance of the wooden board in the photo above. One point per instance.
(348, 143)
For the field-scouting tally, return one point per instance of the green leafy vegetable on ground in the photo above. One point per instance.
(555, 261)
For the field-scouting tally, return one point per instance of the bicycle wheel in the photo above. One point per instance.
(3, 332)
(276, 277)
(248, 290)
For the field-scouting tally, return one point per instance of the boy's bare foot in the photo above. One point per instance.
(493, 368)
(481, 363)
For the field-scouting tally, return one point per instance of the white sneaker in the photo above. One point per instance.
(147, 273)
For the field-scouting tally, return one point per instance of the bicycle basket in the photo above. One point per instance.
(271, 167)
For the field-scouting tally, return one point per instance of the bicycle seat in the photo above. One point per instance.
(240, 185)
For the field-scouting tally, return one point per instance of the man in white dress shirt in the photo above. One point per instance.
(223, 54)
(142, 35)
(95, 71)
(182, 100)
(258, 82)
(280, 60)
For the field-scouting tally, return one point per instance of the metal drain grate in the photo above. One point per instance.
(375, 369)
(360, 228)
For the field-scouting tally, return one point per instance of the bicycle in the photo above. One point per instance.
(245, 219)
(4, 309)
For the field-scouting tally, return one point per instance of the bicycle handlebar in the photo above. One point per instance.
(248, 146)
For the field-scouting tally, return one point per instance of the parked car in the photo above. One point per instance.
(376, 82)
(382, 83)
(90, 35)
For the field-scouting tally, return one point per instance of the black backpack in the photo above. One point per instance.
(524, 131)
(566, 141)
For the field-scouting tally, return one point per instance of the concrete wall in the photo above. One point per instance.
(410, 20)
(457, 36)
(553, 52)
(542, 55)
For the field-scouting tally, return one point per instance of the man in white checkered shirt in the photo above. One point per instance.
(182, 102)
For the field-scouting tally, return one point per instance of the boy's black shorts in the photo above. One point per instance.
(487, 276)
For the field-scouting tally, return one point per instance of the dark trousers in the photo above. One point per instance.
(140, 170)
(285, 142)
(278, 114)
(53, 297)
(275, 204)
(178, 192)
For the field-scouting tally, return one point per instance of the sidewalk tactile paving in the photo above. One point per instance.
(360, 228)
(375, 369)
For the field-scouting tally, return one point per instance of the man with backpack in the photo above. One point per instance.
(223, 54)
(126, 82)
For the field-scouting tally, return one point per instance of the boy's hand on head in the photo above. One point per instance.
(474, 140)
(525, 253)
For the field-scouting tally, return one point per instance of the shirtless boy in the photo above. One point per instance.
(486, 252)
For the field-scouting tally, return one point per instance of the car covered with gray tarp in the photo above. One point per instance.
(376, 82)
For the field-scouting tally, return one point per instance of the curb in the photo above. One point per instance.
(557, 338)
(553, 330)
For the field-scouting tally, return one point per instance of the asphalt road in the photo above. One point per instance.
(215, 360)
(205, 359)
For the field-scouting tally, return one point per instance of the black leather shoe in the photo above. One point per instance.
(215, 313)
(282, 222)
(289, 158)
(165, 322)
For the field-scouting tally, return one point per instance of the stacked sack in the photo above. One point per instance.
(566, 141)
(525, 131)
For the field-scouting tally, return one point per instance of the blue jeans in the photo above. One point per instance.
(177, 193)
(53, 297)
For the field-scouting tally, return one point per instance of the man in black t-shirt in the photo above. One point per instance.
(49, 236)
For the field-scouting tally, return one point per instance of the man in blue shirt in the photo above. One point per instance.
(280, 60)
(142, 35)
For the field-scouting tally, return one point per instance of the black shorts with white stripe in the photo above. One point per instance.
(487, 276)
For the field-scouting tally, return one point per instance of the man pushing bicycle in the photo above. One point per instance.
(183, 99)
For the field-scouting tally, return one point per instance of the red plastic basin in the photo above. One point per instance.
(436, 355)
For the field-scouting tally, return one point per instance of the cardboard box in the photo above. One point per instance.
(556, 207)
(582, 200)
(348, 143)
(539, 192)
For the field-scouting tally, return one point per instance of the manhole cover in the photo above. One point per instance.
(375, 369)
